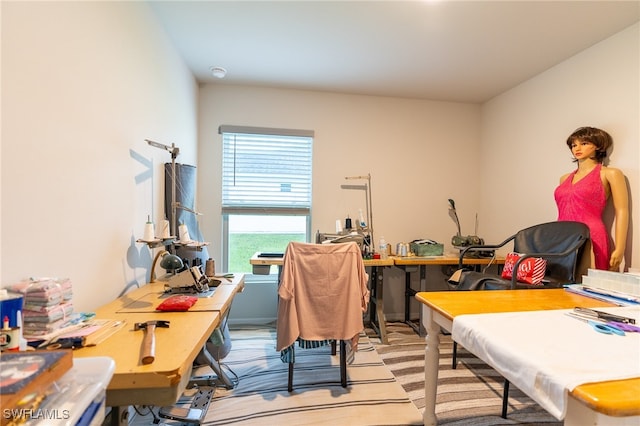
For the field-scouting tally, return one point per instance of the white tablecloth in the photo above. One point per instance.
(546, 354)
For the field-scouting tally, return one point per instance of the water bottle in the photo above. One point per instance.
(363, 224)
(382, 246)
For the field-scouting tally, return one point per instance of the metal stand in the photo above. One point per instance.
(195, 413)
(173, 223)
(376, 315)
(220, 378)
(368, 230)
(409, 294)
(200, 390)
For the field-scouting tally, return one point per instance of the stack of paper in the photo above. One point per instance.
(47, 305)
(622, 283)
(616, 287)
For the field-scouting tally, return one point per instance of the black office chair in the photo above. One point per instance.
(323, 294)
(566, 247)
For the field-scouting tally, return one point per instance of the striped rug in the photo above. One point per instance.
(386, 386)
(372, 397)
(471, 394)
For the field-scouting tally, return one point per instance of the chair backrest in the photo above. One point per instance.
(323, 292)
(557, 237)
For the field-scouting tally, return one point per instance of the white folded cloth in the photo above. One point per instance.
(546, 354)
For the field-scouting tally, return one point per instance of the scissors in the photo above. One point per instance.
(622, 323)
(624, 326)
(604, 328)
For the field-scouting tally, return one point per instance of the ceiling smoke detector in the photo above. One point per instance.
(218, 72)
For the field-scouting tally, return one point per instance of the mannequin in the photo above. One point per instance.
(583, 194)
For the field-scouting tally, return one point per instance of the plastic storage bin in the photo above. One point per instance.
(78, 397)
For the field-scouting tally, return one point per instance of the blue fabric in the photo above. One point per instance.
(288, 355)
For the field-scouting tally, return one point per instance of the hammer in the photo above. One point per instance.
(149, 342)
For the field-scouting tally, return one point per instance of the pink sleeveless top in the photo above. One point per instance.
(584, 201)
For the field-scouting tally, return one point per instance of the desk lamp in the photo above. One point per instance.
(169, 261)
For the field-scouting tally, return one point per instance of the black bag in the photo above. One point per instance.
(463, 279)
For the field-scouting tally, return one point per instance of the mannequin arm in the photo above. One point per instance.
(620, 199)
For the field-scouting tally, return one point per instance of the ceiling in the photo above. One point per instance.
(462, 51)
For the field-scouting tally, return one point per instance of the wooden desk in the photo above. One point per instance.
(614, 398)
(163, 381)
(405, 263)
(376, 278)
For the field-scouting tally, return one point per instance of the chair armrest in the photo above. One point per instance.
(482, 247)
(575, 246)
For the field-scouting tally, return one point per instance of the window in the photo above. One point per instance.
(266, 191)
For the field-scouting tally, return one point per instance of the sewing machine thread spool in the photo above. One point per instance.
(149, 233)
(10, 339)
(9, 336)
(210, 268)
(184, 233)
(347, 224)
(164, 229)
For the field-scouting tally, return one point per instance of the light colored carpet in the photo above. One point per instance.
(471, 394)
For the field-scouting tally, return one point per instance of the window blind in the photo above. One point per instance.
(266, 171)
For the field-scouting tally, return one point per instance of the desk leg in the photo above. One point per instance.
(220, 376)
(118, 416)
(382, 323)
(423, 287)
(431, 364)
(409, 295)
(376, 315)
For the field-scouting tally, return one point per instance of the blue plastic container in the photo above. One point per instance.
(10, 304)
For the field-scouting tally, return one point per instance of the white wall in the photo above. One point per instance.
(83, 84)
(524, 134)
(415, 151)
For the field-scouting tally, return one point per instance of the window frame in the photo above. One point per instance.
(227, 211)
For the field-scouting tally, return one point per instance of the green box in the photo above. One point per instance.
(422, 250)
